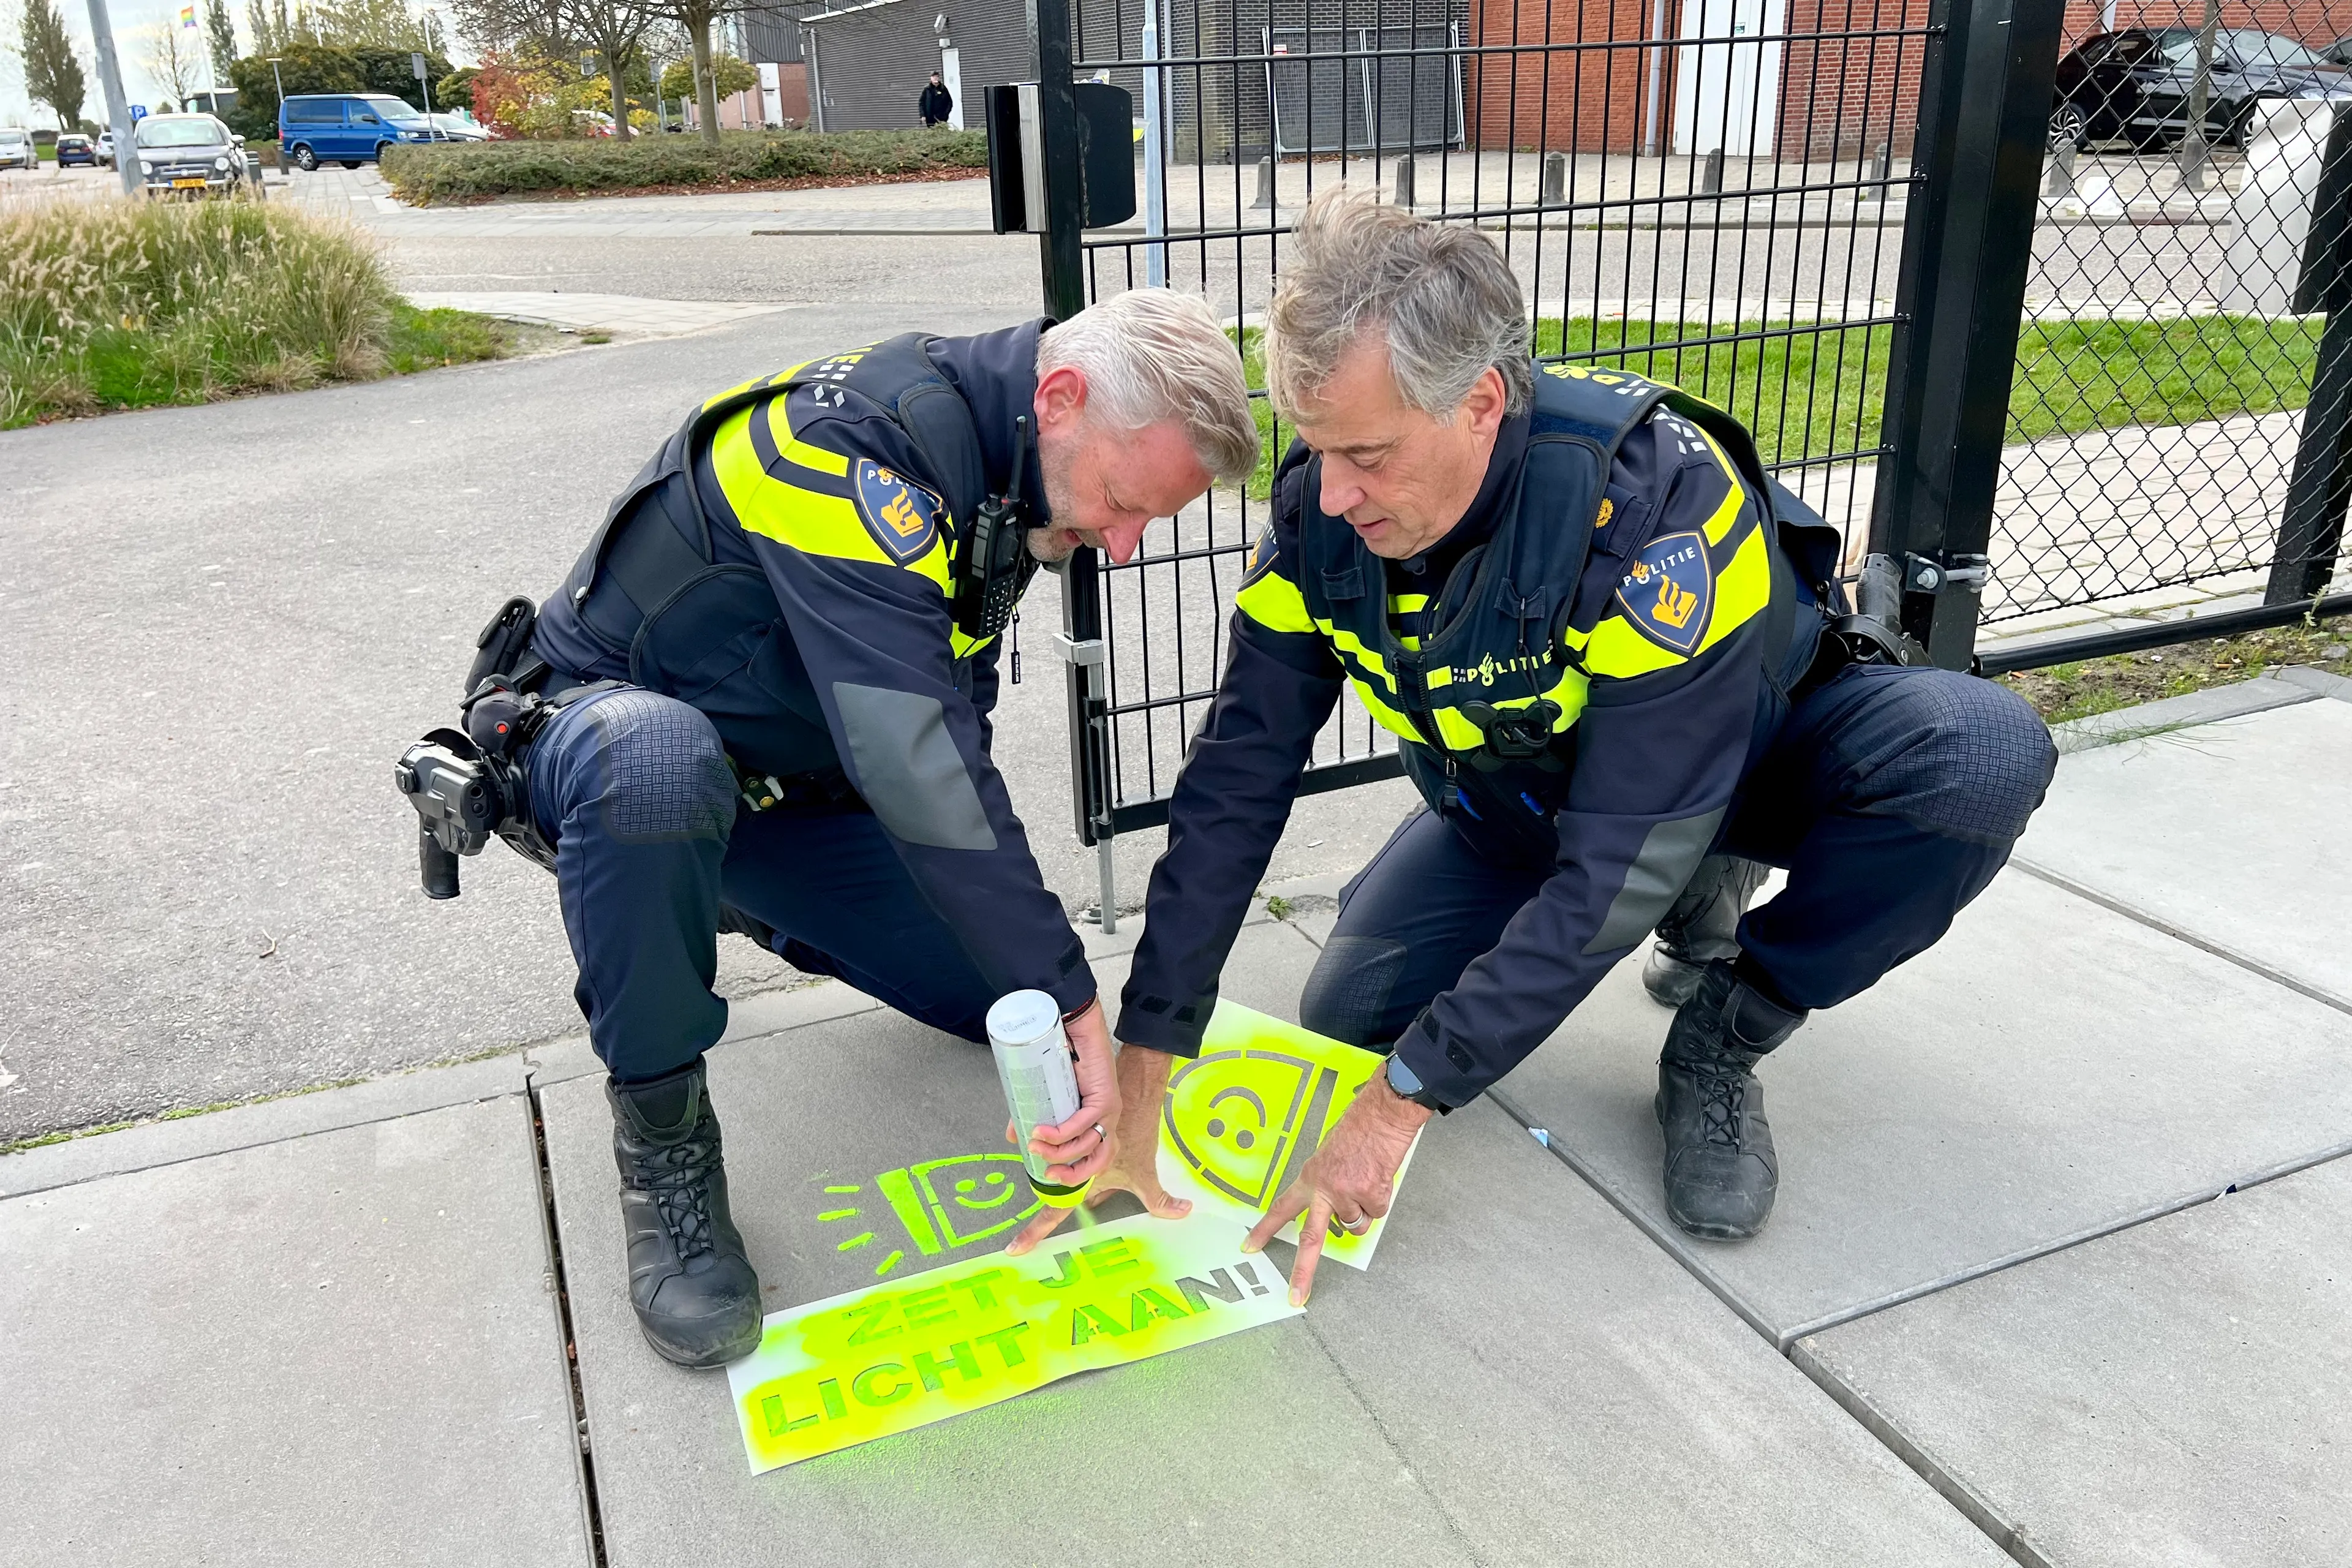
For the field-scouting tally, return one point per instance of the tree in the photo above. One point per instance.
(387, 71)
(272, 29)
(174, 64)
(695, 16)
(220, 36)
(614, 28)
(304, 68)
(369, 24)
(719, 76)
(53, 74)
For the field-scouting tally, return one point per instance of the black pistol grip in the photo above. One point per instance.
(436, 865)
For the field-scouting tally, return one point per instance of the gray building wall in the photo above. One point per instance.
(772, 34)
(871, 65)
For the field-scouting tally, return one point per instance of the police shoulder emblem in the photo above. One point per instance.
(902, 516)
(1669, 590)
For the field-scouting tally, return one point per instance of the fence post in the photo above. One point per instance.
(2311, 526)
(1984, 117)
(1062, 261)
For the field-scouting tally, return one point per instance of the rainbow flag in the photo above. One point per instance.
(187, 15)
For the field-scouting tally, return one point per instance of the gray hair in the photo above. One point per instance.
(1442, 294)
(1153, 354)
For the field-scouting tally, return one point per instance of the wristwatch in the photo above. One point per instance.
(1407, 1086)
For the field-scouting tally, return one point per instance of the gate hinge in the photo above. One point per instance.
(1075, 651)
(1942, 573)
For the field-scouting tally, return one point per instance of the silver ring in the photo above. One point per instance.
(1100, 1134)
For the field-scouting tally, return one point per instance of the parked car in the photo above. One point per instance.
(74, 149)
(591, 123)
(347, 127)
(2134, 85)
(106, 147)
(458, 128)
(17, 149)
(188, 154)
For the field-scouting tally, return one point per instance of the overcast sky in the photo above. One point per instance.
(135, 22)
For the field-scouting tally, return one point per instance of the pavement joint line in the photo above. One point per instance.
(2228, 954)
(1973, 1505)
(1403, 1461)
(402, 1114)
(551, 1235)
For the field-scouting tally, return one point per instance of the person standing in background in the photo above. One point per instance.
(936, 103)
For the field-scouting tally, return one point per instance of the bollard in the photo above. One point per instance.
(1711, 179)
(1265, 183)
(2061, 183)
(1555, 179)
(1404, 182)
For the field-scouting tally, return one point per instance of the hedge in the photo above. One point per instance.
(471, 171)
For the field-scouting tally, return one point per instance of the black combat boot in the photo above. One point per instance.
(1703, 926)
(696, 1297)
(1721, 1171)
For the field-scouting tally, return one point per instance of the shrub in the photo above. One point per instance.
(129, 302)
(447, 172)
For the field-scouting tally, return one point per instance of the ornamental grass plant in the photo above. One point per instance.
(473, 171)
(128, 302)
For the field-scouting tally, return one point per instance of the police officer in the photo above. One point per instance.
(1598, 631)
(775, 665)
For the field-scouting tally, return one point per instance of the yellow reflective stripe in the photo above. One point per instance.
(811, 522)
(964, 647)
(1406, 603)
(1352, 646)
(1744, 588)
(1458, 733)
(1410, 644)
(1385, 716)
(1719, 525)
(1617, 650)
(1274, 602)
(1442, 675)
(778, 379)
(796, 450)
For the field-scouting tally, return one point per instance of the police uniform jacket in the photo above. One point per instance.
(1621, 597)
(784, 565)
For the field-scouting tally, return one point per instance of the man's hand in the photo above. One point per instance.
(1348, 1181)
(1132, 1153)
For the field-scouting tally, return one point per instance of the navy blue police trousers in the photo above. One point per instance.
(1890, 795)
(634, 791)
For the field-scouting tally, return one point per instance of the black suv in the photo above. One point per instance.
(2134, 85)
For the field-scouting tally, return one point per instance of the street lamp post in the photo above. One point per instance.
(279, 82)
(118, 106)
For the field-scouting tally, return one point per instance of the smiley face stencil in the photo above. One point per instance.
(1241, 1119)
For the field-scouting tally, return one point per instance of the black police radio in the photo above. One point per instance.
(997, 560)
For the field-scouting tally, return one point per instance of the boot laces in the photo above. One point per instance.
(678, 1178)
(1723, 1088)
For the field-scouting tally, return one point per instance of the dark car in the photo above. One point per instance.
(188, 154)
(73, 150)
(2134, 85)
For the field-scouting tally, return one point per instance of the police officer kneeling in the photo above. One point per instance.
(1598, 629)
(760, 702)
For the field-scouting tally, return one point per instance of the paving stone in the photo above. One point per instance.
(2050, 1069)
(1253, 1445)
(2177, 1393)
(333, 1349)
(2147, 719)
(2232, 833)
(1394, 1424)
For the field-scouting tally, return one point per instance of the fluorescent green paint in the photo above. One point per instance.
(1241, 1119)
(859, 1241)
(872, 1363)
(887, 1263)
(839, 1214)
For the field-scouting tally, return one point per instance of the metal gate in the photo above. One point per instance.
(1853, 288)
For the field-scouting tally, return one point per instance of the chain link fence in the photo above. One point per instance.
(2164, 449)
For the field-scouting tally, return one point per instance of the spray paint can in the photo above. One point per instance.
(1041, 1083)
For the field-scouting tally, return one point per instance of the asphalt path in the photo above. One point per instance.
(220, 625)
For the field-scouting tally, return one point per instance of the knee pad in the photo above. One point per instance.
(1975, 762)
(665, 771)
(1349, 990)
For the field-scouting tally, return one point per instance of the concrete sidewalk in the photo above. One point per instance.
(2058, 1271)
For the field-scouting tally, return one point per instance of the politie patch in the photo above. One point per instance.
(902, 516)
(1669, 592)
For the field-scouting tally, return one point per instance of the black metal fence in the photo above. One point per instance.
(2045, 379)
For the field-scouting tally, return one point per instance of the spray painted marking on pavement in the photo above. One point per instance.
(938, 1205)
(871, 1363)
(1241, 1119)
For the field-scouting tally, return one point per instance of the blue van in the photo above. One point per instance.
(347, 127)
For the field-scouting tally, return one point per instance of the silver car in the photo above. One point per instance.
(188, 154)
(17, 150)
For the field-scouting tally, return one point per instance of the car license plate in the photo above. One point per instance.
(183, 184)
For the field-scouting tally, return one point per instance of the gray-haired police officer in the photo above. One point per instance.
(1605, 642)
(796, 606)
